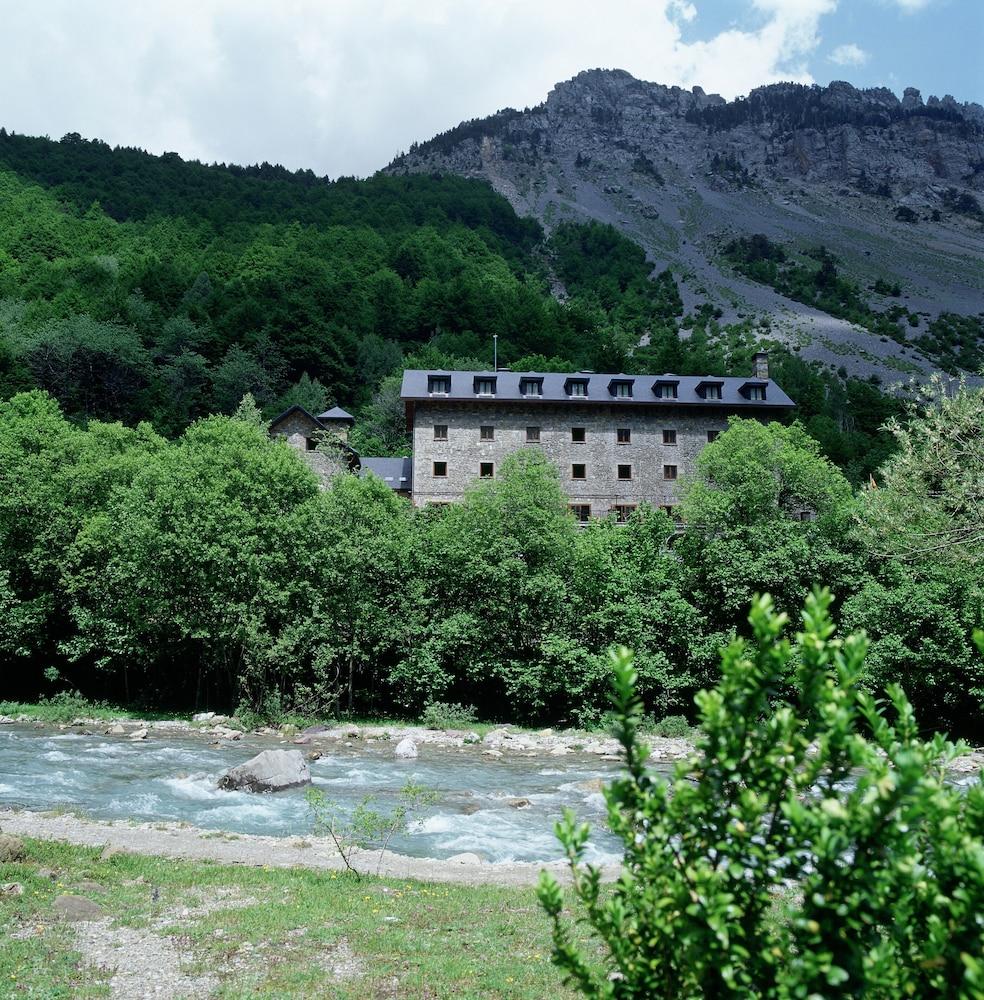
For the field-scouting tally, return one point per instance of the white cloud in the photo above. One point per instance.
(340, 86)
(848, 55)
(911, 5)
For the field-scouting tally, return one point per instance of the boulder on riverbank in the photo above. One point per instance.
(406, 749)
(269, 771)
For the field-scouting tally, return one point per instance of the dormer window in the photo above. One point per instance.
(576, 387)
(709, 390)
(438, 385)
(531, 386)
(621, 388)
(753, 391)
(665, 390)
(484, 385)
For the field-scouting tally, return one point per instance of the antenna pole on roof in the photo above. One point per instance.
(495, 352)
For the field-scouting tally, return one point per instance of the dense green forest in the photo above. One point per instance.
(211, 570)
(138, 287)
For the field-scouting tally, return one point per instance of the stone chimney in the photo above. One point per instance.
(760, 367)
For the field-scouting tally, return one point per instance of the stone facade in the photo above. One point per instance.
(301, 430)
(601, 453)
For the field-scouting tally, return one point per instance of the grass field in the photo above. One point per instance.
(226, 931)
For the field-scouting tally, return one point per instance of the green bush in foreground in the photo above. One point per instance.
(811, 847)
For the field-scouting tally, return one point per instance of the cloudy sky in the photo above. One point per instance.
(341, 86)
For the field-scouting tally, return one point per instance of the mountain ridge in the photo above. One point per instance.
(889, 185)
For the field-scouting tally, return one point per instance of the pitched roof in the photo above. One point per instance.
(336, 413)
(397, 473)
(296, 408)
(554, 389)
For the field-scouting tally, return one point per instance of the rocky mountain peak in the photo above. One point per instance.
(883, 181)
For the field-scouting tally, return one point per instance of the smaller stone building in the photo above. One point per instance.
(304, 432)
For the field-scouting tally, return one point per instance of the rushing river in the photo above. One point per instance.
(172, 778)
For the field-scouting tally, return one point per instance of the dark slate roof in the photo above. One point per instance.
(296, 408)
(554, 389)
(336, 413)
(395, 472)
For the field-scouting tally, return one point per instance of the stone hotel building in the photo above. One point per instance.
(616, 440)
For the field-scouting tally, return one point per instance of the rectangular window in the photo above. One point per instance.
(577, 435)
(581, 512)
(440, 470)
(440, 432)
(666, 390)
(712, 392)
(485, 470)
(669, 472)
(756, 392)
(485, 386)
(712, 436)
(669, 436)
(622, 511)
(577, 387)
(623, 390)
(310, 444)
(531, 386)
(579, 471)
(625, 472)
(486, 433)
(439, 384)
(623, 435)
(533, 435)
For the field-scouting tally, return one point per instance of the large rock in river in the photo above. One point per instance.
(270, 771)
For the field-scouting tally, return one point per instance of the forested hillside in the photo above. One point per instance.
(157, 547)
(136, 287)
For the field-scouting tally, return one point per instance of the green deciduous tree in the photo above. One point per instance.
(743, 509)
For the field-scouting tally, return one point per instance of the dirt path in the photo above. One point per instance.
(174, 840)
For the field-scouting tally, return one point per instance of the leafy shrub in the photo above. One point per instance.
(62, 707)
(674, 727)
(448, 715)
(810, 848)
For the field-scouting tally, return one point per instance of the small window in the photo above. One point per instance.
(581, 512)
(625, 472)
(665, 390)
(669, 472)
(576, 387)
(669, 436)
(485, 470)
(712, 391)
(622, 511)
(439, 384)
(712, 436)
(440, 470)
(577, 435)
(486, 433)
(579, 471)
(756, 392)
(440, 432)
(533, 435)
(623, 390)
(623, 435)
(485, 386)
(531, 386)
(310, 444)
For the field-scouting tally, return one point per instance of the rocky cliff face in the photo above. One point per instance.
(891, 185)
